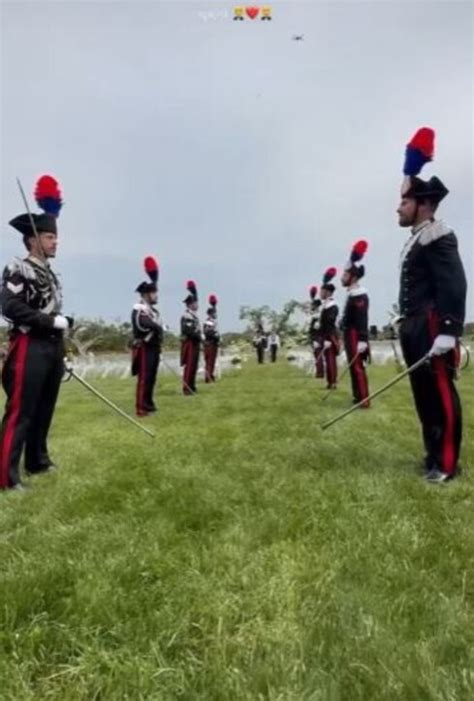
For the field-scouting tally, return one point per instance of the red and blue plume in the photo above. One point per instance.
(152, 268)
(212, 300)
(313, 291)
(419, 150)
(359, 249)
(48, 195)
(328, 275)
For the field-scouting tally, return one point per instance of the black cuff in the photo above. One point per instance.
(450, 327)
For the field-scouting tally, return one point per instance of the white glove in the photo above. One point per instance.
(60, 322)
(316, 345)
(361, 347)
(443, 344)
(327, 345)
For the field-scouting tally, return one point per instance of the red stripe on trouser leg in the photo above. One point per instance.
(318, 362)
(442, 383)
(141, 381)
(20, 345)
(358, 367)
(331, 367)
(187, 371)
(208, 362)
(361, 379)
(449, 453)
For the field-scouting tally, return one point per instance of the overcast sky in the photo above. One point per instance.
(240, 158)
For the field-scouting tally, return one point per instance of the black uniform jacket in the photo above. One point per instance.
(211, 332)
(432, 277)
(30, 297)
(190, 327)
(146, 325)
(356, 313)
(327, 321)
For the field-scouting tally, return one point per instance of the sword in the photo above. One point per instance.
(35, 232)
(181, 379)
(392, 382)
(343, 373)
(107, 401)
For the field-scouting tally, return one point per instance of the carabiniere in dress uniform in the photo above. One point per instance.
(31, 301)
(432, 307)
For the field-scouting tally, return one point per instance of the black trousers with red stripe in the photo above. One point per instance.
(319, 361)
(331, 365)
(146, 363)
(360, 385)
(210, 357)
(190, 362)
(436, 399)
(31, 378)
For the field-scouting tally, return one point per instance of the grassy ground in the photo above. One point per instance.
(243, 554)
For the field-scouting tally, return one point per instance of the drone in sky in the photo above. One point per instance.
(298, 37)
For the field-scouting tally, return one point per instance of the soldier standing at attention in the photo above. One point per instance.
(190, 339)
(211, 340)
(147, 339)
(432, 308)
(31, 301)
(355, 323)
(314, 331)
(328, 328)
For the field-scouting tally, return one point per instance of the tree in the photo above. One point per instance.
(280, 321)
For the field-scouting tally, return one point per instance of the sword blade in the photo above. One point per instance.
(111, 404)
(382, 389)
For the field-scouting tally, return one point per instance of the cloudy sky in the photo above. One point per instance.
(240, 158)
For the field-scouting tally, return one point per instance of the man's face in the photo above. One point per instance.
(346, 278)
(152, 297)
(194, 306)
(406, 211)
(47, 246)
(324, 294)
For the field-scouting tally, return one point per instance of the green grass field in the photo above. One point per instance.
(243, 554)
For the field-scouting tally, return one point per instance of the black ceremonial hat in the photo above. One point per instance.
(432, 189)
(43, 222)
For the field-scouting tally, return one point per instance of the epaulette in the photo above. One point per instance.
(356, 292)
(20, 267)
(433, 232)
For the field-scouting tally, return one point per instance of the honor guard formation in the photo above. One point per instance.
(432, 302)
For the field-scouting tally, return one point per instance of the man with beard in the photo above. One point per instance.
(31, 302)
(432, 308)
